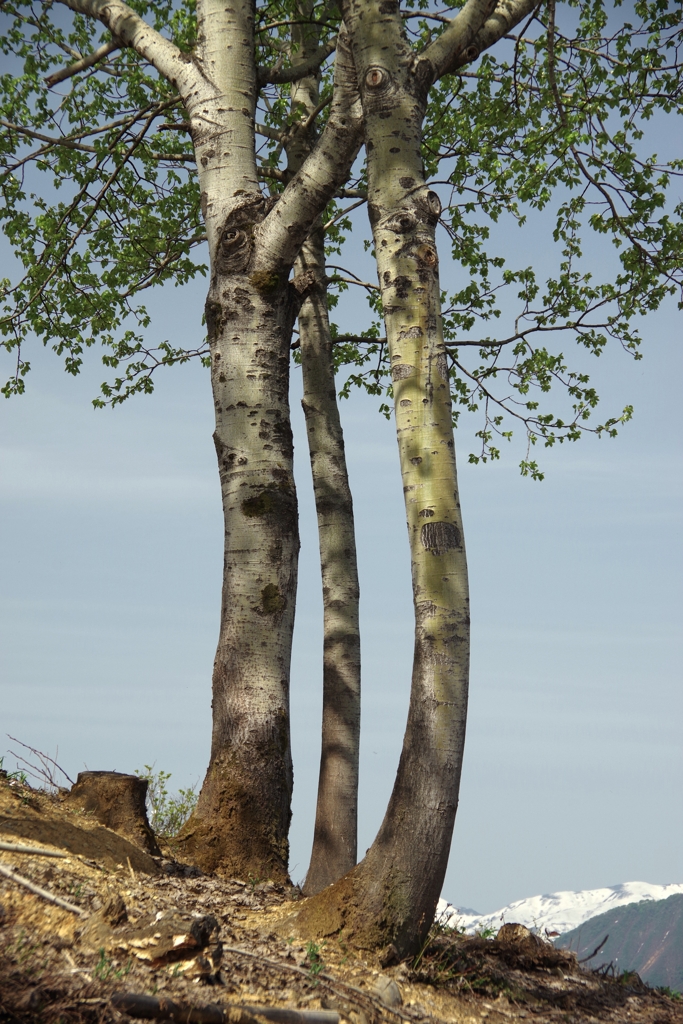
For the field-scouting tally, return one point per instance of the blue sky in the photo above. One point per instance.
(111, 551)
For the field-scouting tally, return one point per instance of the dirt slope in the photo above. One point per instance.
(159, 927)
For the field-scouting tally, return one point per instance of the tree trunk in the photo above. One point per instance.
(336, 821)
(242, 817)
(241, 821)
(389, 899)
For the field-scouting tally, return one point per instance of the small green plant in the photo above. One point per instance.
(316, 965)
(487, 933)
(104, 968)
(167, 814)
(664, 990)
(17, 776)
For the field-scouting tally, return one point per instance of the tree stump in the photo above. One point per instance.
(117, 801)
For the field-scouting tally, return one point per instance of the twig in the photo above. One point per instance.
(595, 951)
(75, 969)
(354, 280)
(151, 1008)
(342, 213)
(82, 64)
(67, 143)
(189, 157)
(14, 877)
(45, 772)
(35, 851)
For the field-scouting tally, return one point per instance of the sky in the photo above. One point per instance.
(111, 555)
(110, 591)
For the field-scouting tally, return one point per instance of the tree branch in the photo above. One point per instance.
(457, 38)
(138, 1005)
(15, 877)
(83, 63)
(504, 18)
(343, 213)
(323, 172)
(133, 31)
(279, 76)
(65, 143)
(469, 34)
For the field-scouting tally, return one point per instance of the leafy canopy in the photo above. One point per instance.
(101, 200)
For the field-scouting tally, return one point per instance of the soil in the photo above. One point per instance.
(159, 927)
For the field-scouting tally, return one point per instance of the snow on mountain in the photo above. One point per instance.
(556, 912)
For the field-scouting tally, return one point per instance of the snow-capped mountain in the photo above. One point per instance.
(557, 912)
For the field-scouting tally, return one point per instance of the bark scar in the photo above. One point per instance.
(440, 537)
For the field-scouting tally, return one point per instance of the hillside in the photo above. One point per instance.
(94, 930)
(644, 937)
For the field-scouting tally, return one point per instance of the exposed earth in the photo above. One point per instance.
(157, 927)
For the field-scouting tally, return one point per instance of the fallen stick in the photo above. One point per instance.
(8, 873)
(151, 1008)
(36, 851)
(353, 993)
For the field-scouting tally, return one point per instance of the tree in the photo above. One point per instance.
(556, 114)
(336, 823)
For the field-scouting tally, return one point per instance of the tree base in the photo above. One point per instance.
(226, 835)
(362, 911)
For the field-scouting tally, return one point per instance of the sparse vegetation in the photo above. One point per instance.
(167, 814)
(16, 776)
(106, 968)
(316, 964)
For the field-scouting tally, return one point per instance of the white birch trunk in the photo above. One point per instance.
(389, 899)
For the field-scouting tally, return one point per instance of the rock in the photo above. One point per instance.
(519, 936)
(387, 991)
(389, 955)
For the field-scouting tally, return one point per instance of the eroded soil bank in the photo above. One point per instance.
(156, 926)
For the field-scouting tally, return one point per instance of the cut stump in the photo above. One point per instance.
(117, 801)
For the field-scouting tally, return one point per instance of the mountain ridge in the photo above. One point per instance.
(559, 912)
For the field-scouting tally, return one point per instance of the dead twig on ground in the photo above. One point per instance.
(595, 951)
(151, 1008)
(50, 897)
(35, 851)
(342, 988)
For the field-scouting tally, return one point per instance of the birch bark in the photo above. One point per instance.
(389, 899)
(336, 821)
(241, 821)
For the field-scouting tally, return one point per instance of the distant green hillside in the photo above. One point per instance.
(644, 937)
